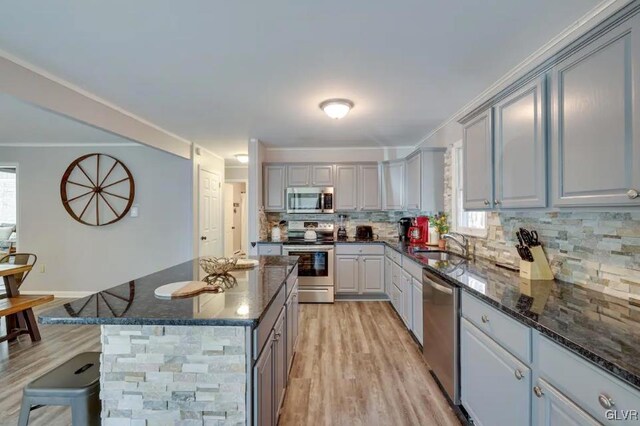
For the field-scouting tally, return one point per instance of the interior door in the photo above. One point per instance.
(228, 220)
(209, 213)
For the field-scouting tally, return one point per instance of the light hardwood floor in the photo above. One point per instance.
(355, 365)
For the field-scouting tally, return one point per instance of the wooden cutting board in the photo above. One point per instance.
(185, 289)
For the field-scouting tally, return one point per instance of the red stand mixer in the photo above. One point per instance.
(419, 231)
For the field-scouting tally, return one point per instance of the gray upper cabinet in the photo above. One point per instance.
(520, 149)
(393, 176)
(595, 95)
(298, 175)
(346, 191)
(413, 181)
(369, 188)
(322, 175)
(432, 180)
(273, 180)
(478, 162)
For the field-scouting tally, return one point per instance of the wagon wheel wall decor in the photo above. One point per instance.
(97, 189)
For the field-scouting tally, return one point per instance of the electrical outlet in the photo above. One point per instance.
(43, 269)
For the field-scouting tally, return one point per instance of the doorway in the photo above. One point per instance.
(235, 218)
(210, 210)
(8, 209)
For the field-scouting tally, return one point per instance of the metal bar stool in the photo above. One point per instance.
(75, 383)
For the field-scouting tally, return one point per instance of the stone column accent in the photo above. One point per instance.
(173, 375)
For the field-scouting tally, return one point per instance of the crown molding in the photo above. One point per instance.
(339, 148)
(236, 167)
(67, 144)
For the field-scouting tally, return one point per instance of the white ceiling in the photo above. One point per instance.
(219, 72)
(23, 123)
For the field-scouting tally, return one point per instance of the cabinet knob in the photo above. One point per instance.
(538, 391)
(485, 319)
(632, 194)
(519, 375)
(496, 202)
(277, 337)
(605, 401)
(486, 202)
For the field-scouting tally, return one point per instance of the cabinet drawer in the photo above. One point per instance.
(414, 269)
(393, 255)
(358, 249)
(584, 383)
(515, 337)
(269, 249)
(262, 331)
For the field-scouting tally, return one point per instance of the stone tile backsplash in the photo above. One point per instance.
(600, 250)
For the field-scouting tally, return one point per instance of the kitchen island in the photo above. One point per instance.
(218, 358)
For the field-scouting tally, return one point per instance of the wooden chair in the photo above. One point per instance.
(18, 309)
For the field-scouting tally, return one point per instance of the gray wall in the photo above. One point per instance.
(85, 258)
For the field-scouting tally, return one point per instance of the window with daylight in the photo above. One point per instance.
(464, 222)
(8, 208)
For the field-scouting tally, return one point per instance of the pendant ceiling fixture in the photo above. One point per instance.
(336, 108)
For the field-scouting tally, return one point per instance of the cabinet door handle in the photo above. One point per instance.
(486, 202)
(632, 193)
(538, 391)
(519, 375)
(485, 319)
(496, 202)
(605, 401)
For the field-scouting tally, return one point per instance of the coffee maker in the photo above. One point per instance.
(419, 231)
(403, 229)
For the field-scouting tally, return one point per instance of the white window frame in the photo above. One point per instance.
(17, 167)
(456, 184)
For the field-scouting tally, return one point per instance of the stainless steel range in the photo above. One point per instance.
(315, 268)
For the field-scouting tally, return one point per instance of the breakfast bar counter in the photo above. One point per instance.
(174, 360)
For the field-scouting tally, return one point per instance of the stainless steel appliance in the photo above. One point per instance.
(315, 267)
(441, 306)
(310, 200)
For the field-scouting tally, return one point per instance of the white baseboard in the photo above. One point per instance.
(59, 294)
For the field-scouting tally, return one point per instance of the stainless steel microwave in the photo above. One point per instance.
(310, 200)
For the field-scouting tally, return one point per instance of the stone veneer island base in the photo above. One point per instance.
(199, 360)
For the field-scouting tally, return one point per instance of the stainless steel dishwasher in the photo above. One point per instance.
(441, 306)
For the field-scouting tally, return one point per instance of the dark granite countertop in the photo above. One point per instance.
(599, 327)
(134, 302)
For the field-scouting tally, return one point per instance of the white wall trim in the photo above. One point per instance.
(65, 144)
(572, 32)
(236, 167)
(339, 148)
(59, 294)
(27, 82)
(199, 148)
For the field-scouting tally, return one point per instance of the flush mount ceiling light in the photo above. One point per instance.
(242, 158)
(336, 108)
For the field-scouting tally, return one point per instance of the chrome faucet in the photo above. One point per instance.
(461, 241)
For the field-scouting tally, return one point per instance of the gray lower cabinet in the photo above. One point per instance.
(477, 148)
(359, 274)
(292, 315)
(495, 386)
(279, 363)
(372, 274)
(347, 271)
(417, 308)
(520, 148)
(413, 181)
(263, 378)
(595, 101)
(551, 407)
(388, 273)
(273, 180)
(396, 299)
(393, 177)
(407, 304)
(269, 249)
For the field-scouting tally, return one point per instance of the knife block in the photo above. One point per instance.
(538, 269)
